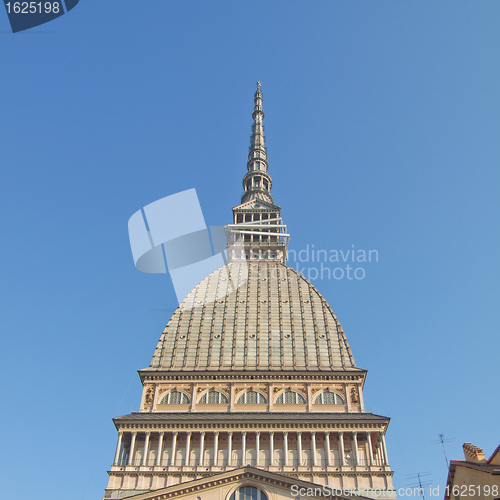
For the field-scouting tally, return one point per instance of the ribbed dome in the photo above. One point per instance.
(275, 321)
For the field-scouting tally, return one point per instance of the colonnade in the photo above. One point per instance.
(257, 448)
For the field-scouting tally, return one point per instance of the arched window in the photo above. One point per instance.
(213, 397)
(175, 398)
(248, 493)
(329, 398)
(252, 398)
(289, 397)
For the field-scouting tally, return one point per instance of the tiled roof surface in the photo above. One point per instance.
(484, 467)
(275, 321)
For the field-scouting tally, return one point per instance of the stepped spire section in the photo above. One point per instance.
(257, 232)
(257, 182)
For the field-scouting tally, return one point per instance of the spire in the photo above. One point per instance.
(257, 141)
(257, 232)
(257, 182)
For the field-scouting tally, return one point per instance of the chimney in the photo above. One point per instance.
(473, 454)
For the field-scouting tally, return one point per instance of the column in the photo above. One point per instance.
(361, 400)
(132, 448)
(202, 447)
(285, 447)
(370, 449)
(216, 448)
(385, 458)
(188, 448)
(309, 398)
(271, 448)
(229, 447)
(146, 449)
(327, 449)
(257, 447)
(243, 448)
(174, 445)
(341, 448)
(299, 448)
(194, 395)
(355, 446)
(270, 389)
(155, 396)
(160, 449)
(118, 448)
(313, 447)
(347, 393)
(123, 454)
(231, 397)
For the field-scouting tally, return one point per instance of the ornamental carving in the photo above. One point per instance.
(354, 395)
(148, 398)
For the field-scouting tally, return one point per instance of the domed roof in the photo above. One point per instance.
(274, 321)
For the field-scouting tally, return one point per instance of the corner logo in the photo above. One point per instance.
(26, 15)
(171, 234)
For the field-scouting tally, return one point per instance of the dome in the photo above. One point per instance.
(274, 321)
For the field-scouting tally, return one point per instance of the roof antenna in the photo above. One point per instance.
(420, 485)
(442, 441)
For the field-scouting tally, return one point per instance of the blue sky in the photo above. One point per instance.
(382, 124)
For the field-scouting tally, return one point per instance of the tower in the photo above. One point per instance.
(252, 392)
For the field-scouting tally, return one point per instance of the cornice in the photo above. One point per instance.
(162, 375)
(131, 425)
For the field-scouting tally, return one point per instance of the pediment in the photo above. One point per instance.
(223, 484)
(256, 205)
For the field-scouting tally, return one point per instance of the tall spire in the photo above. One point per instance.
(257, 232)
(257, 182)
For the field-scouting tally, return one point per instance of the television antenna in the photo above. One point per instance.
(442, 441)
(419, 482)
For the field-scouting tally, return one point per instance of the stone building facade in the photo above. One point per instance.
(252, 392)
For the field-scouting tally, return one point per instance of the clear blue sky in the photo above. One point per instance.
(382, 121)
